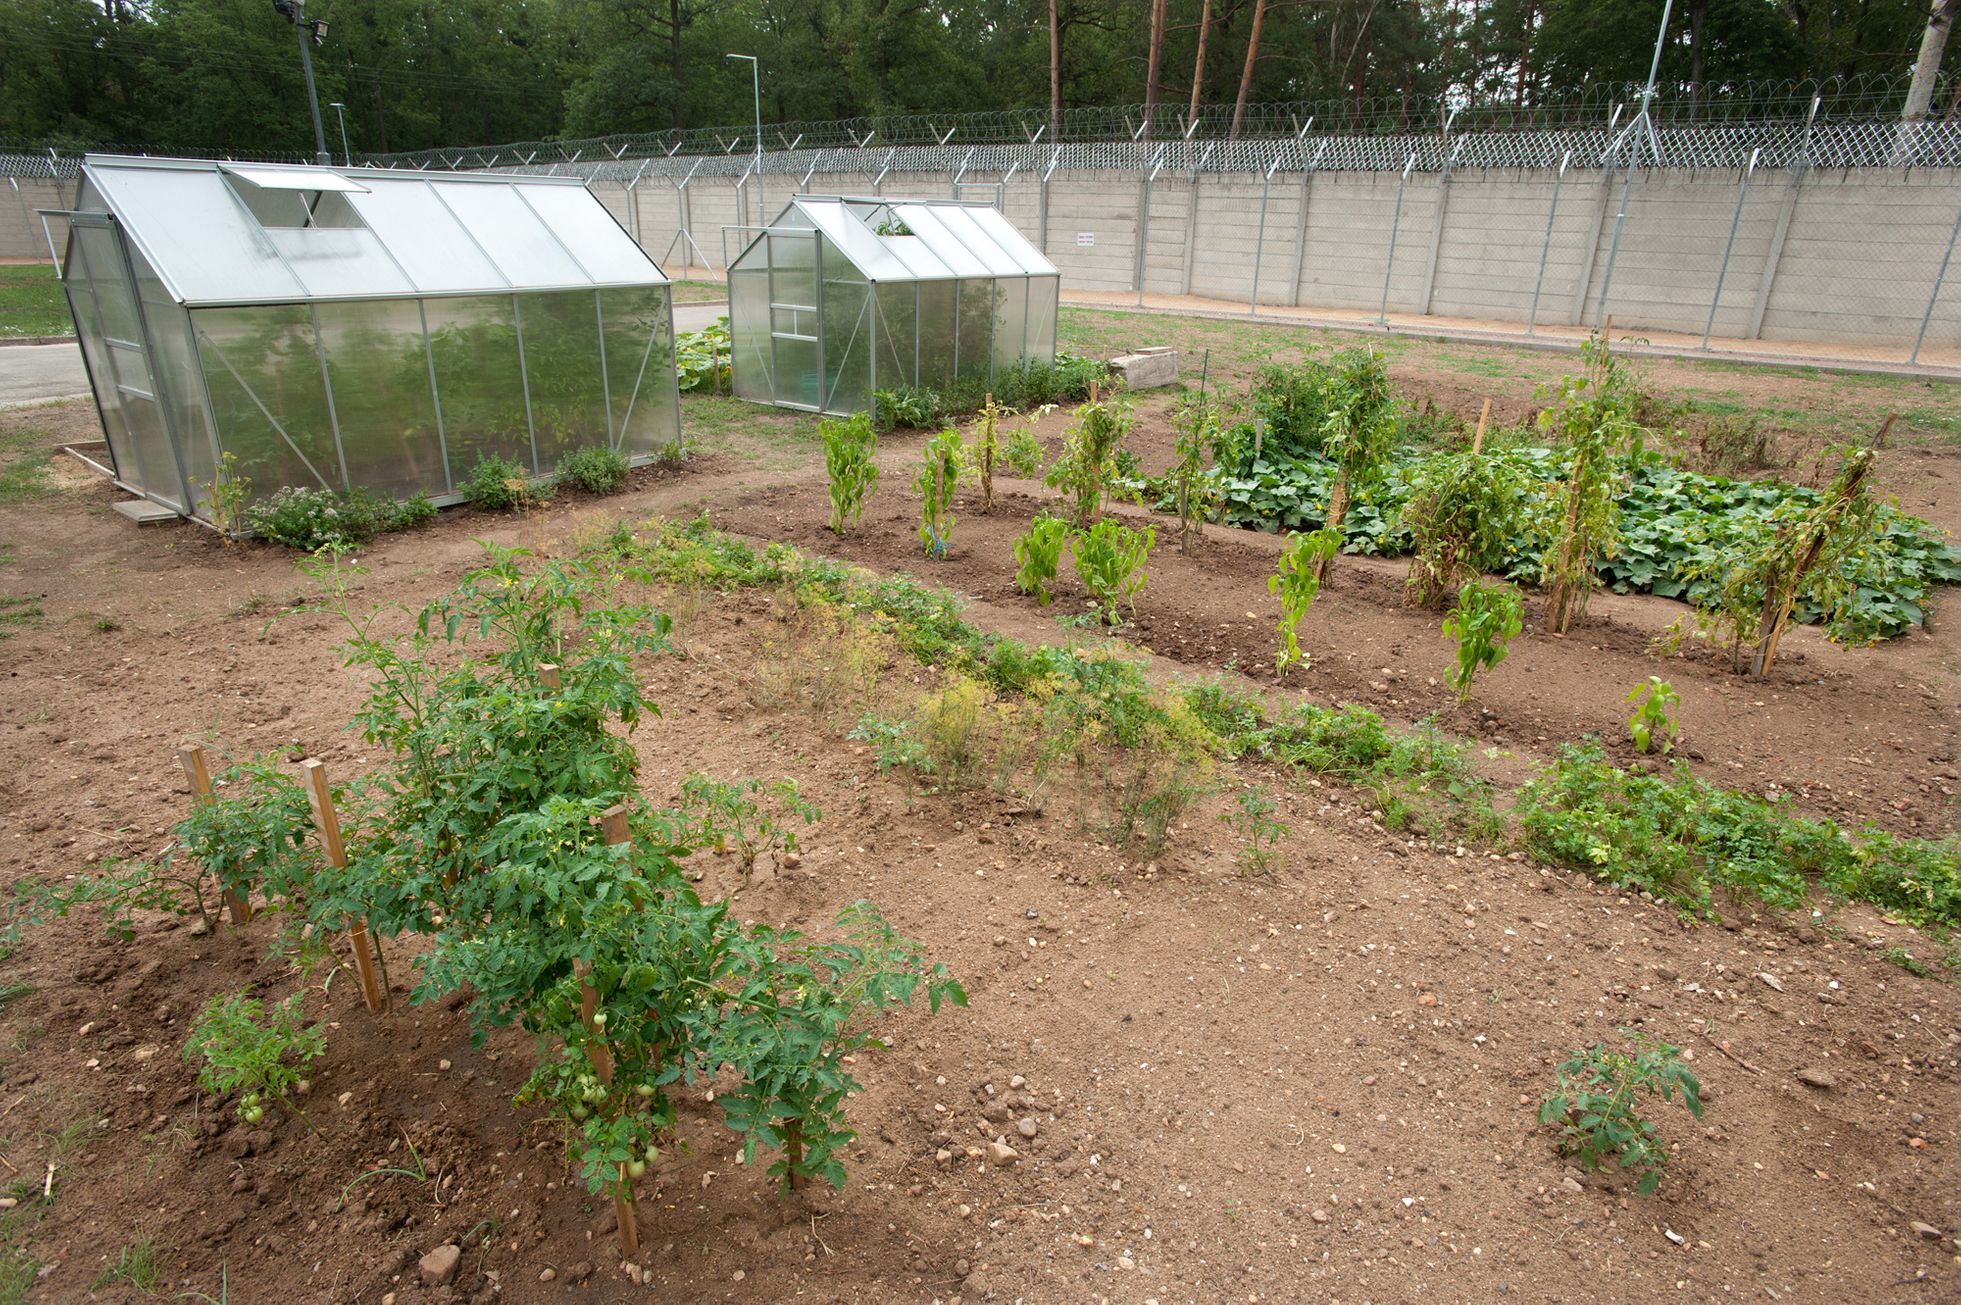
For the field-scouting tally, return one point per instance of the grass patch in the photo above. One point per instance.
(700, 292)
(31, 302)
(17, 614)
(23, 464)
(720, 424)
(135, 1266)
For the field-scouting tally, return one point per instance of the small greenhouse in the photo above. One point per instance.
(841, 297)
(357, 327)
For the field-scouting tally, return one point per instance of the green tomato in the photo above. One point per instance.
(579, 1112)
(599, 1019)
(249, 1099)
(653, 1153)
(636, 1168)
(253, 1114)
(644, 1091)
(594, 1094)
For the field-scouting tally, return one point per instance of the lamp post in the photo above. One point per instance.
(756, 80)
(340, 111)
(294, 12)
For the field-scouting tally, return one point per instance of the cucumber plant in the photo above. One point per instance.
(1110, 562)
(850, 464)
(939, 472)
(1295, 584)
(1484, 622)
(1038, 554)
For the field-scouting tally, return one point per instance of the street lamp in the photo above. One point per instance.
(294, 12)
(756, 79)
(340, 111)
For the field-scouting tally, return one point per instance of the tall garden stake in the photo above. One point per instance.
(324, 820)
(198, 770)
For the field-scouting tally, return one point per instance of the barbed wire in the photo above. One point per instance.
(1847, 122)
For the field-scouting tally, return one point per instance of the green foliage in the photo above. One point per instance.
(939, 472)
(1254, 822)
(1289, 403)
(1194, 484)
(894, 748)
(498, 484)
(907, 407)
(1652, 726)
(1028, 385)
(594, 469)
(746, 816)
(850, 463)
(702, 359)
(1295, 584)
(1358, 415)
(240, 1045)
(135, 1267)
(1484, 622)
(1461, 513)
(1022, 454)
(1082, 473)
(1593, 418)
(227, 498)
(1596, 1105)
(1038, 554)
(1110, 562)
(32, 303)
(312, 519)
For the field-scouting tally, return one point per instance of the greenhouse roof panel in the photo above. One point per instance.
(945, 244)
(872, 254)
(374, 233)
(960, 221)
(1004, 234)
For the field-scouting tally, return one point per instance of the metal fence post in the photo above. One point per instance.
(1389, 262)
(1300, 234)
(1144, 223)
(1736, 220)
(1775, 253)
(1933, 296)
(1042, 203)
(1259, 241)
(1437, 231)
(1545, 249)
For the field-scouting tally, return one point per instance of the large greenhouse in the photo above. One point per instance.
(352, 327)
(841, 297)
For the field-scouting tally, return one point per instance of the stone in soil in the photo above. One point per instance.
(1812, 1076)
(439, 1265)
(1001, 1154)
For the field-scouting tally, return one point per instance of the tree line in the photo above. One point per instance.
(415, 74)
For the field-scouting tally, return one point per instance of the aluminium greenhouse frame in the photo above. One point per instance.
(843, 295)
(352, 328)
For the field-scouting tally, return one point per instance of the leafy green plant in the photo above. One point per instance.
(1484, 622)
(906, 407)
(1038, 554)
(255, 1050)
(594, 469)
(1358, 427)
(1652, 726)
(499, 484)
(1593, 417)
(1022, 454)
(1295, 584)
(939, 472)
(747, 816)
(1082, 473)
(703, 359)
(894, 748)
(1460, 514)
(850, 464)
(1194, 484)
(1595, 1105)
(987, 450)
(1110, 562)
(1254, 822)
(227, 498)
(312, 519)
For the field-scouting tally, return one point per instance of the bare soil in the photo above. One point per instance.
(1315, 1085)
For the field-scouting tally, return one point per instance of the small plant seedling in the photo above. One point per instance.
(939, 472)
(1038, 553)
(894, 748)
(1254, 822)
(1110, 561)
(1593, 1105)
(850, 453)
(730, 819)
(1653, 724)
(255, 1050)
(1295, 585)
(226, 497)
(1485, 621)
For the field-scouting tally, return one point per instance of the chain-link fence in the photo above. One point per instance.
(1792, 220)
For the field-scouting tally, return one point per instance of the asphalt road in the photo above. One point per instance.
(30, 373)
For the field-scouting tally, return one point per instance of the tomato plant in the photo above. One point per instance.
(1358, 427)
(1194, 484)
(1593, 417)
(254, 1050)
(736, 816)
(1083, 472)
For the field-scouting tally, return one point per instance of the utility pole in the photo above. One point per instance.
(294, 12)
(340, 111)
(756, 82)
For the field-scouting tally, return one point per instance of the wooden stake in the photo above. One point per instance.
(198, 770)
(612, 821)
(548, 675)
(328, 824)
(1484, 419)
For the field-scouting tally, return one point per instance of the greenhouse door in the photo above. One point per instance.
(104, 299)
(796, 348)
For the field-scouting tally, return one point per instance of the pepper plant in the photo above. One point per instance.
(1295, 584)
(1652, 726)
(939, 472)
(850, 463)
(1110, 562)
(1484, 622)
(1038, 554)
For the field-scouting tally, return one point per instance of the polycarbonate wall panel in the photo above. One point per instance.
(145, 458)
(1010, 322)
(936, 326)
(380, 376)
(479, 382)
(749, 314)
(268, 398)
(847, 332)
(425, 237)
(640, 368)
(974, 327)
(198, 234)
(793, 270)
(179, 382)
(896, 336)
(524, 251)
(602, 247)
(797, 381)
(1041, 317)
(76, 279)
(561, 362)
